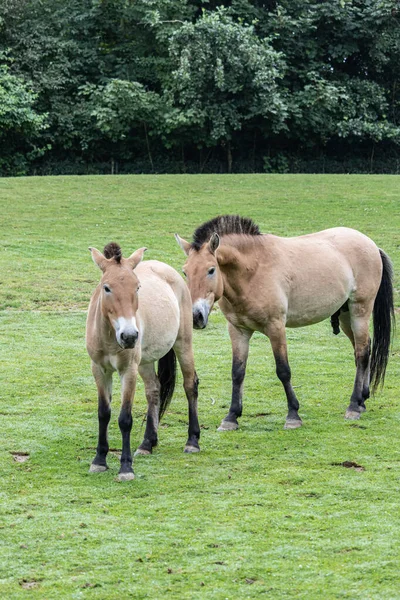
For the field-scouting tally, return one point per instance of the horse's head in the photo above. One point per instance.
(203, 276)
(119, 288)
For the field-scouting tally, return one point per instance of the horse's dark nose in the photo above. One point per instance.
(129, 338)
(199, 319)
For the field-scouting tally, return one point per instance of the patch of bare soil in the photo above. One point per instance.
(20, 457)
(349, 465)
(29, 584)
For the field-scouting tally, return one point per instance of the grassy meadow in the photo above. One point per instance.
(259, 512)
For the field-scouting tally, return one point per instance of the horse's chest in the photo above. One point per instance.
(118, 360)
(241, 319)
(110, 361)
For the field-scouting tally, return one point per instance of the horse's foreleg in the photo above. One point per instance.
(240, 339)
(277, 335)
(152, 387)
(362, 351)
(103, 381)
(128, 384)
(184, 353)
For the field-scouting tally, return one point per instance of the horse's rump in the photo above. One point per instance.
(322, 271)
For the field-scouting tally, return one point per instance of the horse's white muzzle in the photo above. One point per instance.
(126, 332)
(201, 310)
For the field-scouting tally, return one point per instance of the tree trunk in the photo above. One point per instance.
(206, 160)
(371, 166)
(183, 158)
(229, 154)
(148, 146)
(254, 151)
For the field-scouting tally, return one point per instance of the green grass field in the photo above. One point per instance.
(260, 512)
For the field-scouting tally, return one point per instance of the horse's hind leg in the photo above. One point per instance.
(346, 327)
(152, 388)
(277, 335)
(366, 382)
(103, 381)
(344, 319)
(184, 352)
(362, 350)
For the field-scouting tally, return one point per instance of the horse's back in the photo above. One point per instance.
(154, 274)
(339, 237)
(338, 243)
(162, 298)
(355, 249)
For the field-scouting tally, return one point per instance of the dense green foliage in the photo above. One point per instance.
(260, 512)
(185, 85)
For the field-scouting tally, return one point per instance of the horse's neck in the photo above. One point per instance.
(102, 324)
(237, 271)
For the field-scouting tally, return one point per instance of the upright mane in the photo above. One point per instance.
(113, 250)
(223, 225)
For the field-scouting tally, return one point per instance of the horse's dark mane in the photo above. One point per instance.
(223, 225)
(113, 250)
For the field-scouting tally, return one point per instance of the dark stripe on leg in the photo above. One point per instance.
(194, 427)
(125, 426)
(104, 415)
(284, 375)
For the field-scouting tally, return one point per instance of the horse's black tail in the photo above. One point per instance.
(167, 377)
(384, 323)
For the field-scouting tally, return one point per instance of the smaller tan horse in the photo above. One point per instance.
(267, 283)
(139, 314)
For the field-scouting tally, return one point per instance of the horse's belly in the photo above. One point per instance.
(318, 291)
(310, 317)
(313, 310)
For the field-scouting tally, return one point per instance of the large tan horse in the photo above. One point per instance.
(267, 283)
(139, 314)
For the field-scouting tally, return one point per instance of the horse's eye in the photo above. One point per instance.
(211, 271)
(184, 273)
(106, 289)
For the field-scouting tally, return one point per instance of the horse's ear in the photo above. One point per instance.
(213, 243)
(136, 257)
(183, 244)
(98, 258)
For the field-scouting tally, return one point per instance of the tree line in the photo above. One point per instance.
(96, 86)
